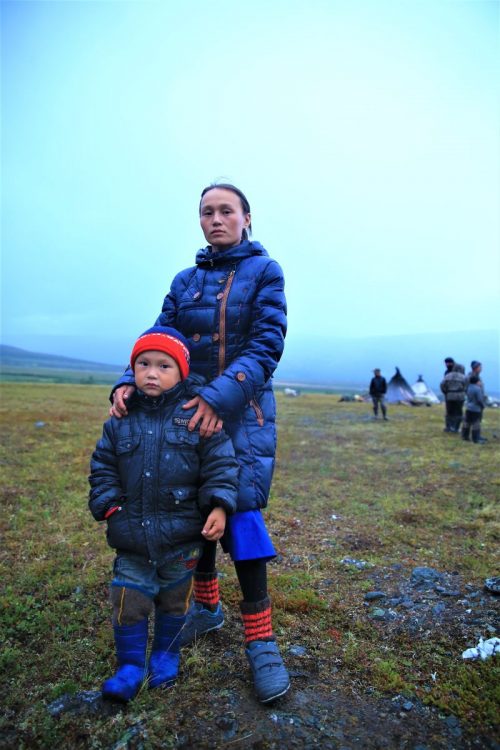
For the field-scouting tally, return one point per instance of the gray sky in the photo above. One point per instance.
(364, 133)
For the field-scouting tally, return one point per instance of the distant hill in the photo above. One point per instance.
(317, 360)
(20, 365)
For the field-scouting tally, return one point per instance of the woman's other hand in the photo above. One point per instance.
(120, 398)
(205, 415)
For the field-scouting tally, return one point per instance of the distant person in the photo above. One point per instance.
(475, 370)
(231, 307)
(453, 388)
(378, 389)
(474, 410)
(162, 490)
(448, 363)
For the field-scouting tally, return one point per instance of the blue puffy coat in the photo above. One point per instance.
(165, 478)
(231, 307)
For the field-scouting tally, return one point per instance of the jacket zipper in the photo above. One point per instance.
(222, 323)
(258, 412)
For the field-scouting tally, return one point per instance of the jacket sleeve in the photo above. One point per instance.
(242, 379)
(481, 399)
(218, 484)
(104, 479)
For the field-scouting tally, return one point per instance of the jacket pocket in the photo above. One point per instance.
(118, 531)
(182, 438)
(127, 444)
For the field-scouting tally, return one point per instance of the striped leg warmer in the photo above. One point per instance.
(257, 620)
(206, 590)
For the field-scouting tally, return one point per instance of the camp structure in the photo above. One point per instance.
(398, 390)
(424, 394)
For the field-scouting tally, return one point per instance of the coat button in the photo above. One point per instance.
(147, 473)
(221, 281)
(220, 295)
(215, 337)
(196, 337)
(197, 295)
(241, 376)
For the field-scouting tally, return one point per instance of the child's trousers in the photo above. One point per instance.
(138, 584)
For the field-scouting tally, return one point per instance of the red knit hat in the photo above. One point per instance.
(167, 340)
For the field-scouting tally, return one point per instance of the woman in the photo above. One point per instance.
(231, 307)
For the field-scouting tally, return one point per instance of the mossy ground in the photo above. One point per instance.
(395, 494)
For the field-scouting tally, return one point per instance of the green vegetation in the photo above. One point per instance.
(396, 495)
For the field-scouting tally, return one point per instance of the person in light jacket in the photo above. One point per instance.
(474, 408)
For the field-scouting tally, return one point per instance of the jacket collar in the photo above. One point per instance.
(205, 256)
(140, 399)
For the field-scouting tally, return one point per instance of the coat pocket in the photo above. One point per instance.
(118, 532)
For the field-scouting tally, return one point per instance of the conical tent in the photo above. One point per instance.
(398, 389)
(423, 393)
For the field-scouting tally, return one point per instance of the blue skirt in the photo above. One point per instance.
(246, 537)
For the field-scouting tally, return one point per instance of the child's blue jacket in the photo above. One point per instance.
(165, 478)
(231, 307)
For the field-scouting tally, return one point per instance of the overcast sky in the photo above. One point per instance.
(364, 133)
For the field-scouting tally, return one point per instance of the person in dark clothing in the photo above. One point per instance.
(162, 490)
(378, 389)
(448, 363)
(231, 307)
(474, 410)
(453, 388)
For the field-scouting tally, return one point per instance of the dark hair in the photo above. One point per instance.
(245, 205)
(474, 379)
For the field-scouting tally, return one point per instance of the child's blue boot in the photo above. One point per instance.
(165, 657)
(131, 643)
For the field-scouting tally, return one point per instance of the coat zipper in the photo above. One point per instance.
(258, 412)
(222, 323)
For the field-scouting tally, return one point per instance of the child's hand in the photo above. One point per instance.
(215, 525)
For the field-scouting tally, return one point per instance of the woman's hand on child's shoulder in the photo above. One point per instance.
(205, 415)
(120, 397)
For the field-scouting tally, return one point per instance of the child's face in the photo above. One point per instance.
(156, 372)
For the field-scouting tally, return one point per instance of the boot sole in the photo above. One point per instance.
(278, 695)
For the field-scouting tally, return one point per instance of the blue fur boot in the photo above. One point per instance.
(164, 659)
(131, 643)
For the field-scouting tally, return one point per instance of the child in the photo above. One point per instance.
(162, 490)
(474, 410)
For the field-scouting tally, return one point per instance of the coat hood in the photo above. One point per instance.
(206, 257)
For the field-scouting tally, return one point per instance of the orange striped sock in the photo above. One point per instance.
(257, 620)
(206, 590)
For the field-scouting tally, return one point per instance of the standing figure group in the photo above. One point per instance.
(229, 311)
(460, 389)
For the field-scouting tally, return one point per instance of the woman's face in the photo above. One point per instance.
(222, 218)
